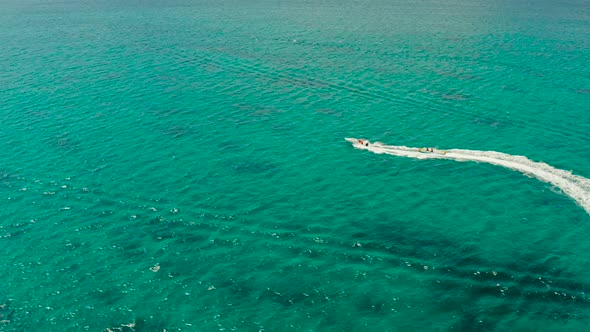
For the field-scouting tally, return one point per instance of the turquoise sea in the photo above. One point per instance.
(182, 165)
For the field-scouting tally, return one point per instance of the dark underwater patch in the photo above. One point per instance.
(252, 167)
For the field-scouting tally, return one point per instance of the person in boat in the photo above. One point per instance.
(364, 142)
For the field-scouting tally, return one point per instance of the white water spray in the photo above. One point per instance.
(575, 186)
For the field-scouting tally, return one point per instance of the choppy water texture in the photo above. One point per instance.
(180, 165)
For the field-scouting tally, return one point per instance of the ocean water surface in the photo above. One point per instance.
(182, 165)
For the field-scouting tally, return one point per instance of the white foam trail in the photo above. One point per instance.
(575, 186)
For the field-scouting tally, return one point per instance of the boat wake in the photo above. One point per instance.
(575, 186)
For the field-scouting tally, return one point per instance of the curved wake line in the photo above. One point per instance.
(575, 186)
